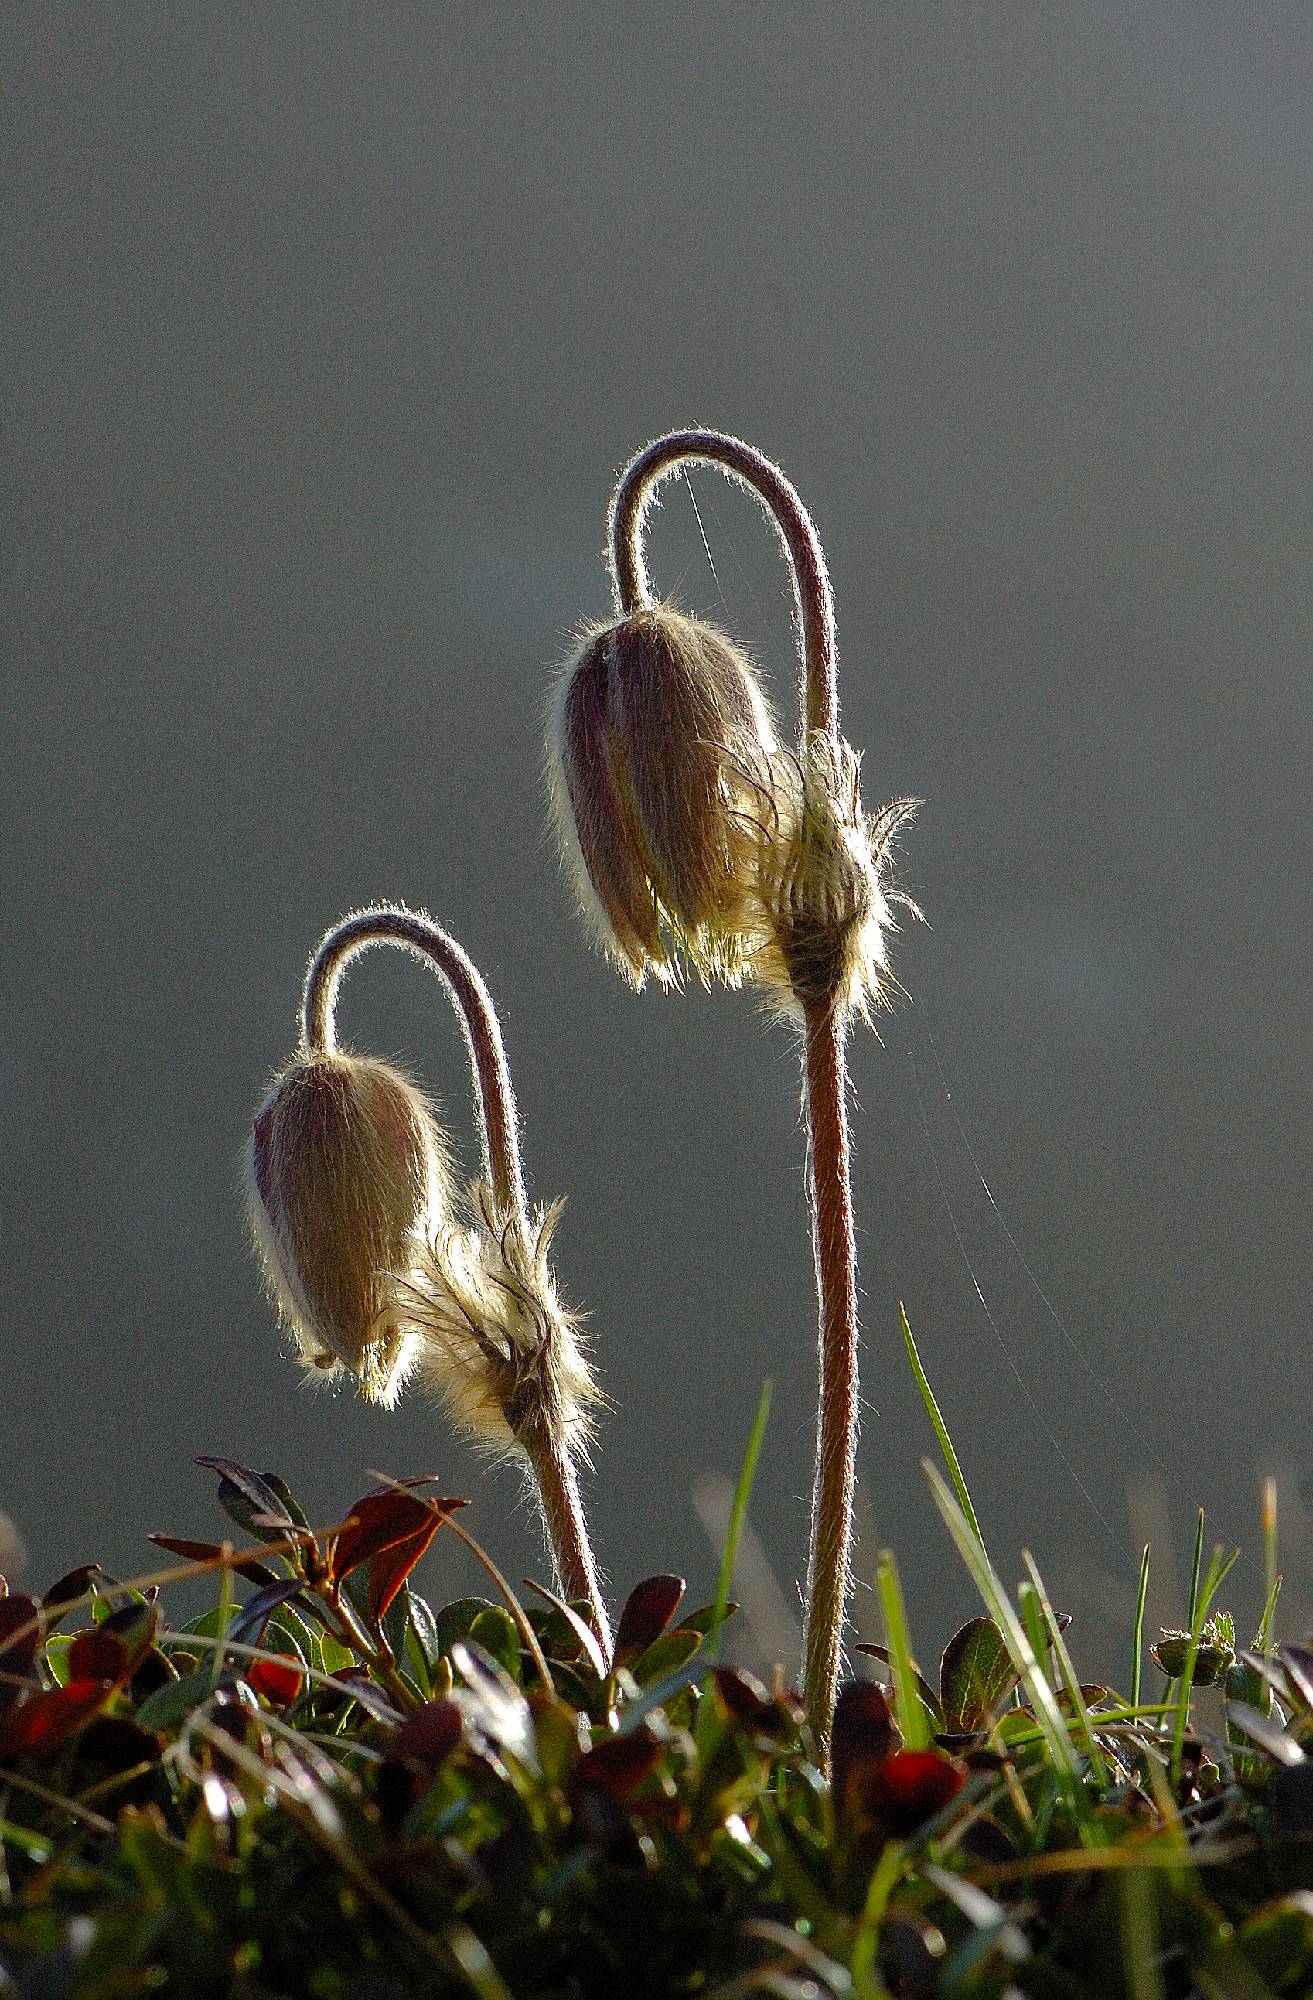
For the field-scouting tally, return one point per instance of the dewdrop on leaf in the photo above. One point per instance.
(660, 764)
(347, 1178)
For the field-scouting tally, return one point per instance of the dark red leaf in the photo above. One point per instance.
(20, 1637)
(67, 1592)
(99, 1656)
(428, 1735)
(418, 1750)
(381, 1519)
(649, 1608)
(49, 1719)
(280, 1681)
(257, 1492)
(864, 1737)
(618, 1764)
(911, 1786)
(390, 1567)
(207, 1552)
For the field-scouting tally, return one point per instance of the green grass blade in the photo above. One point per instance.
(1194, 1569)
(916, 1725)
(224, 1619)
(940, 1427)
(1137, 1659)
(1070, 1678)
(1263, 1643)
(1219, 1568)
(1137, 1896)
(738, 1514)
(1271, 1581)
(997, 1603)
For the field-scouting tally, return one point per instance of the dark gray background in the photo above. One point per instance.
(327, 328)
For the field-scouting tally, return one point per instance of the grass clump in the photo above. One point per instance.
(325, 1786)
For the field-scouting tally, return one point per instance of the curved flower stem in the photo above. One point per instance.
(498, 1118)
(545, 1449)
(825, 1058)
(819, 684)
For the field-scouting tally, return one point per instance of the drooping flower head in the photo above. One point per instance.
(659, 765)
(346, 1182)
(377, 1266)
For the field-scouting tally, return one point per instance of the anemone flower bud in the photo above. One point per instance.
(660, 768)
(495, 1343)
(823, 887)
(346, 1179)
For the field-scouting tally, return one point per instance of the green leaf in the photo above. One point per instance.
(168, 1708)
(666, 1655)
(455, 1619)
(496, 1631)
(976, 1675)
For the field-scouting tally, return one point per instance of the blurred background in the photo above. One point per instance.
(327, 330)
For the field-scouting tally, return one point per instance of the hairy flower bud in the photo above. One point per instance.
(660, 778)
(496, 1346)
(826, 902)
(347, 1179)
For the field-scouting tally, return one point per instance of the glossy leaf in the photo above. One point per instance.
(976, 1674)
(648, 1610)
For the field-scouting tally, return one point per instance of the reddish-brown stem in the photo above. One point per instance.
(558, 1487)
(417, 933)
(835, 1249)
(634, 496)
(547, 1452)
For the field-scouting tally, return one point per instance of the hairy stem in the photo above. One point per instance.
(417, 933)
(835, 1247)
(634, 496)
(567, 1530)
(545, 1447)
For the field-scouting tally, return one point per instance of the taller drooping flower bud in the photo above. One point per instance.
(660, 766)
(346, 1183)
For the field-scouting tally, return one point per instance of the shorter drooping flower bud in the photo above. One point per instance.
(660, 766)
(496, 1346)
(825, 898)
(346, 1181)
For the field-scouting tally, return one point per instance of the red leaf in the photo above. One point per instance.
(20, 1636)
(208, 1552)
(280, 1681)
(98, 1656)
(649, 1608)
(863, 1738)
(47, 1720)
(389, 1569)
(911, 1786)
(380, 1520)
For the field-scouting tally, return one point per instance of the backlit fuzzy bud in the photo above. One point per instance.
(347, 1178)
(495, 1343)
(826, 904)
(660, 774)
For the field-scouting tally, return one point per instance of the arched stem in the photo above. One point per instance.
(634, 496)
(417, 933)
(824, 1033)
(545, 1449)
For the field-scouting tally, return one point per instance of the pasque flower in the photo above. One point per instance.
(379, 1267)
(694, 833)
(347, 1180)
(660, 766)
